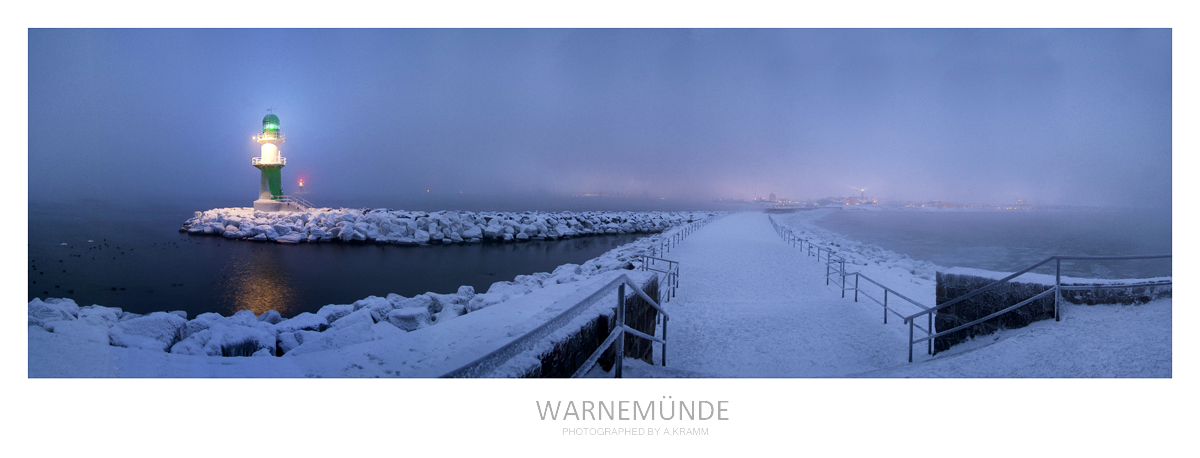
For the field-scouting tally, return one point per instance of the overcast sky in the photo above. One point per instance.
(390, 117)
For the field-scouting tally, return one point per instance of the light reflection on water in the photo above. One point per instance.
(257, 283)
(140, 262)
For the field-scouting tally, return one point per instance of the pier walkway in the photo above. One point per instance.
(750, 305)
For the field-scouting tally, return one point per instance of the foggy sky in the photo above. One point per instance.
(1071, 117)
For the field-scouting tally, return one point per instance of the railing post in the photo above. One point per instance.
(885, 294)
(675, 285)
(620, 325)
(1057, 286)
(843, 281)
(856, 287)
(929, 332)
(842, 264)
(664, 345)
(826, 270)
(910, 339)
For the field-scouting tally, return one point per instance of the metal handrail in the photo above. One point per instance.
(484, 365)
(1057, 289)
(788, 234)
(671, 273)
(489, 362)
(1057, 276)
(665, 245)
(297, 201)
(670, 276)
(257, 160)
(268, 136)
(620, 329)
(792, 238)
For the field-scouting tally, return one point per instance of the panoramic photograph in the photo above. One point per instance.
(599, 203)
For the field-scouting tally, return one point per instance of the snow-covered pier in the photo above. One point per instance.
(421, 228)
(753, 306)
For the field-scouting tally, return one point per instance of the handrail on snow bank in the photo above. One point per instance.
(1057, 289)
(837, 267)
(484, 366)
(667, 285)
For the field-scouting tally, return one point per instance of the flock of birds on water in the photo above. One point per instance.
(98, 247)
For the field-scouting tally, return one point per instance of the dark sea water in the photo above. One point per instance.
(140, 262)
(1006, 240)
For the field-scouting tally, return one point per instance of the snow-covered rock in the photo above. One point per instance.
(108, 315)
(87, 328)
(156, 331)
(409, 319)
(41, 311)
(358, 316)
(304, 321)
(418, 228)
(232, 336)
(271, 317)
(335, 338)
(333, 312)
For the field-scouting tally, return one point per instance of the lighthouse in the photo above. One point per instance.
(270, 162)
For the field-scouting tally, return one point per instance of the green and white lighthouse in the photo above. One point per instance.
(270, 162)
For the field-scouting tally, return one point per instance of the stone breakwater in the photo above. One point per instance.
(334, 325)
(423, 228)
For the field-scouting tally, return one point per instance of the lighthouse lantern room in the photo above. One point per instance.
(270, 162)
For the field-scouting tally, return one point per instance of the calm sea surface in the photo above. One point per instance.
(1004, 240)
(140, 262)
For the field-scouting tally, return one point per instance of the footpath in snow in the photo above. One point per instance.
(750, 305)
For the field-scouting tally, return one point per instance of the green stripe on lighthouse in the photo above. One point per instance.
(274, 181)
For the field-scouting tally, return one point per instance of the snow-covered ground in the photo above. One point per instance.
(750, 305)
(96, 341)
(419, 228)
(362, 349)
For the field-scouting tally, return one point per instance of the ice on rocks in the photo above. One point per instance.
(232, 336)
(271, 317)
(156, 331)
(108, 315)
(305, 321)
(412, 227)
(466, 291)
(333, 312)
(88, 328)
(335, 338)
(353, 318)
(409, 319)
(41, 312)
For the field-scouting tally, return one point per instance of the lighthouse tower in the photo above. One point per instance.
(270, 162)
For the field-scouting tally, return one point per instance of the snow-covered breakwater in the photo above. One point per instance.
(333, 326)
(421, 228)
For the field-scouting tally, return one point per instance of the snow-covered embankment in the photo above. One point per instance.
(420, 228)
(333, 326)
